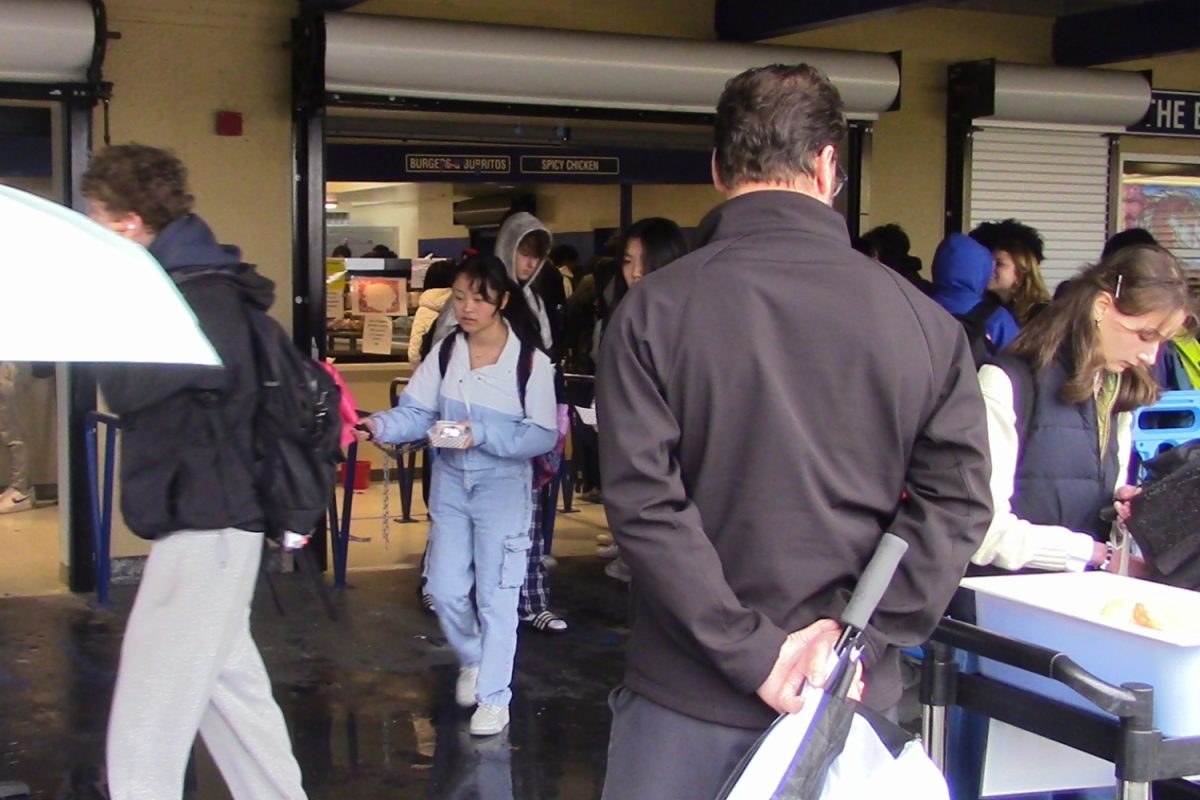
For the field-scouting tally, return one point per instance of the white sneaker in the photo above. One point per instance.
(604, 538)
(464, 687)
(608, 550)
(550, 562)
(12, 502)
(489, 720)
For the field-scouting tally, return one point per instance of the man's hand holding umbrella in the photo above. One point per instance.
(804, 658)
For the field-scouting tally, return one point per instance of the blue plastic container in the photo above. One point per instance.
(1172, 421)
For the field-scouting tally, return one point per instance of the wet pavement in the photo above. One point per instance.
(368, 698)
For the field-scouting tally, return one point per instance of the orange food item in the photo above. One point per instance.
(1156, 617)
(1143, 617)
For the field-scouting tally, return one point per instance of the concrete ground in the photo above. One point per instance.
(368, 698)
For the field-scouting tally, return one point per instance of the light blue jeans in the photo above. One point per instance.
(480, 541)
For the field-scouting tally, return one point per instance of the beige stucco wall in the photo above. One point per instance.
(176, 64)
(908, 171)
(684, 204)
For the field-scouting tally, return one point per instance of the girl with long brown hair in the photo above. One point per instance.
(1058, 405)
(1017, 254)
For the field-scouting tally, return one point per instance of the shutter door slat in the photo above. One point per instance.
(1054, 181)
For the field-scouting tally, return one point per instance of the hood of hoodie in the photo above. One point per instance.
(962, 268)
(188, 245)
(514, 229)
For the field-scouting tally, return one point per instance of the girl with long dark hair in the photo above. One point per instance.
(646, 246)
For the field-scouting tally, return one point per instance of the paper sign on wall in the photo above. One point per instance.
(380, 296)
(419, 267)
(377, 334)
(335, 304)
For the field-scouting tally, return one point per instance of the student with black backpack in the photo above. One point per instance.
(190, 481)
(487, 401)
(961, 270)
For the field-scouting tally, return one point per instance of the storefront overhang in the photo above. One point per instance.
(997, 93)
(367, 58)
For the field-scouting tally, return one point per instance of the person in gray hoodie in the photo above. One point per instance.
(523, 244)
(188, 661)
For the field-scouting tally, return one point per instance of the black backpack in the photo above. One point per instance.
(297, 425)
(974, 322)
(297, 430)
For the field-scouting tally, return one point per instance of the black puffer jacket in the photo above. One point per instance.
(186, 454)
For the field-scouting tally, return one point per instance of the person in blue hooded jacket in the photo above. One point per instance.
(961, 270)
(189, 663)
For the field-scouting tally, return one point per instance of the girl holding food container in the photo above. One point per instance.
(485, 397)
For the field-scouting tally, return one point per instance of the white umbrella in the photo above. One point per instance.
(71, 290)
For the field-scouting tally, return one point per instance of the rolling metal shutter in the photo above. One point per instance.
(1054, 181)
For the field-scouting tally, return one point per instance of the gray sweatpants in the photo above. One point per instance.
(12, 431)
(188, 664)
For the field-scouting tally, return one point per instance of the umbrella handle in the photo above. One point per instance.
(874, 581)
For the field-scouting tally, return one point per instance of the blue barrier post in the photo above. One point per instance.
(101, 509)
(339, 527)
(405, 475)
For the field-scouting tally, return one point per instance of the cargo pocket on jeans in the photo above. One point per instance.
(513, 562)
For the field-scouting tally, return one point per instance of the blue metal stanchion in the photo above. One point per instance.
(339, 525)
(406, 474)
(101, 507)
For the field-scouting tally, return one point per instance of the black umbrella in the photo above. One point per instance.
(829, 716)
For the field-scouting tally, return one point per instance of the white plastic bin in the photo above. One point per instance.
(1063, 612)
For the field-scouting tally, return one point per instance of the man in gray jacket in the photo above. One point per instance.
(769, 405)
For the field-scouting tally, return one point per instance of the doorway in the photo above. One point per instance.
(32, 418)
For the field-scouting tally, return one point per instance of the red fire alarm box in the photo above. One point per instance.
(229, 123)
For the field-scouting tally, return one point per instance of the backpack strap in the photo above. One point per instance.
(983, 310)
(524, 370)
(978, 316)
(1021, 375)
(446, 349)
